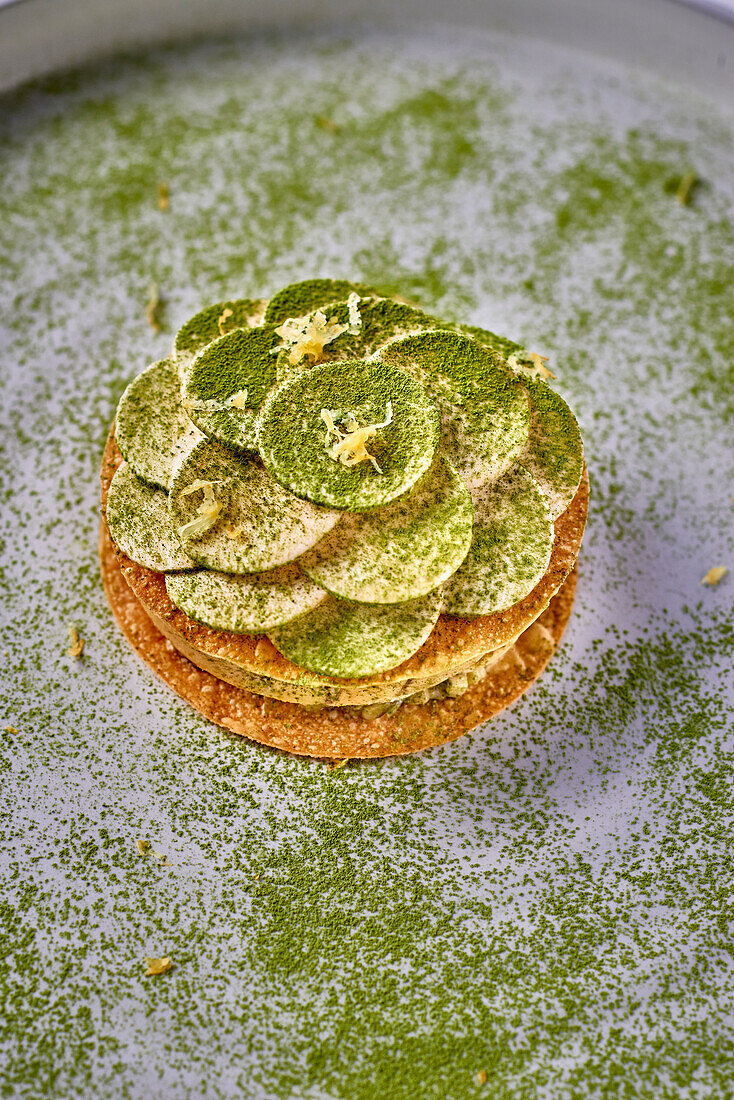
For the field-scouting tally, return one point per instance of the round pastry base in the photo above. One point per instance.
(335, 733)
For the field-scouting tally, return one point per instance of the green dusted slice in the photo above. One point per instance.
(400, 551)
(379, 321)
(247, 604)
(298, 299)
(356, 639)
(483, 406)
(555, 452)
(214, 321)
(502, 345)
(307, 437)
(510, 551)
(353, 329)
(151, 427)
(226, 384)
(319, 336)
(231, 516)
(137, 515)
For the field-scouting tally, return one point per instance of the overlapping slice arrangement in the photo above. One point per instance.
(335, 470)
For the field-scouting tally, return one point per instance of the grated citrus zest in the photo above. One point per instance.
(222, 318)
(306, 338)
(349, 447)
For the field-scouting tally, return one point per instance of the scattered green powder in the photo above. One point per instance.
(547, 901)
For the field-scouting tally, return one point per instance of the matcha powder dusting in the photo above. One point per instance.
(542, 908)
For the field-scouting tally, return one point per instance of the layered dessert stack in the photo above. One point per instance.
(340, 525)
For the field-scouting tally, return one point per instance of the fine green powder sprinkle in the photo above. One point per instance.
(547, 900)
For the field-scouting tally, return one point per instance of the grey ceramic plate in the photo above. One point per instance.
(544, 907)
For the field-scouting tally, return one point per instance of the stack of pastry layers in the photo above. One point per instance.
(467, 668)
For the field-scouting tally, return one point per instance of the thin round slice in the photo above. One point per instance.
(245, 604)
(231, 516)
(372, 322)
(555, 452)
(137, 516)
(152, 429)
(400, 551)
(350, 435)
(353, 329)
(356, 639)
(214, 321)
(502, 345)
(226, 384)
(483, 406)
(298, 299)
(510, 550)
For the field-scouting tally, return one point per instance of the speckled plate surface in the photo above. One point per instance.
(542, 908)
